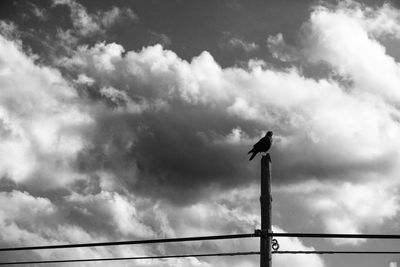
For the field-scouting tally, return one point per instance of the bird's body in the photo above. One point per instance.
(261, 146)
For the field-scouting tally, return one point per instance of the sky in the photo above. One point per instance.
(125, 120)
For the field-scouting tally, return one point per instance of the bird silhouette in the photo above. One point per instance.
(263, 145)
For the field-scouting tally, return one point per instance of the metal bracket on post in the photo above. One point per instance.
(275, 244)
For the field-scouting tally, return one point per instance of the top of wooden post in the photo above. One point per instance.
(266, 157)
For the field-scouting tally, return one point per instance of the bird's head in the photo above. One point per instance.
(269, 133)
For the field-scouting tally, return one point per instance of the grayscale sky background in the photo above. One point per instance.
(124, 120)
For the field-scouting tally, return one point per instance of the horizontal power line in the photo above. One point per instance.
(203, 238)
(133, 242)
(135, 258)
(200, 255)
(320, 235)
(332, 252)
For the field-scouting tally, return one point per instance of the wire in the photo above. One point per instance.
(202, 238)
(202, 255)
(332, 252)
(135, 258)
(119, 243)
(314, 235)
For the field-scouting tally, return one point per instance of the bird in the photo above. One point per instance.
(263, 145)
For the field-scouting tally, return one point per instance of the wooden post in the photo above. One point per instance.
(265, 201)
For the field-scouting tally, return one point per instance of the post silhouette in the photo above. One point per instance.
(265, 201)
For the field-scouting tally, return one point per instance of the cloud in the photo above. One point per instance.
(235, 43)
(40, 13)
(24, 206)
(342, 41)
(83, 22)
(88, 24)
(341, 207)
(160, 38)
(281, 50)
(29, 220)
(113, 16)
(41, 119)
(379, 21)
(246, 46)
(9, 30)
(308, 115)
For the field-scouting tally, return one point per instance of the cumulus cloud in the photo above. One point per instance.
(340, 40)
(41, 119)
(379, 21)
(309, 114)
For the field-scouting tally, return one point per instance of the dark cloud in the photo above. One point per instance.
(157, 153)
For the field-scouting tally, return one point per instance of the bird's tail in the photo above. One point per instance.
(252, 156)
(251, 151)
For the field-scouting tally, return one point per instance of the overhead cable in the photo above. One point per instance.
(132, 242)
(134, 258)
(332, 252)
(321, 235)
